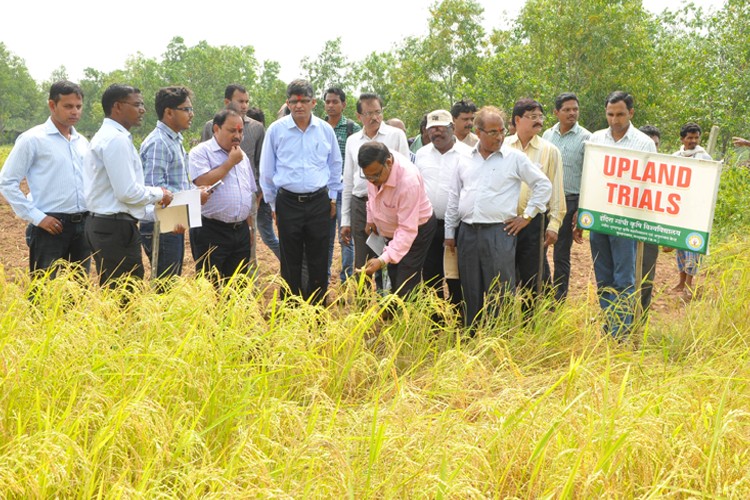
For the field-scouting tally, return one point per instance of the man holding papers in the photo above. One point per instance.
(165, 164)
(222, 244)
(397, 209)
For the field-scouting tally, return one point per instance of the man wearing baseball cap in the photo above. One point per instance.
(437, 162)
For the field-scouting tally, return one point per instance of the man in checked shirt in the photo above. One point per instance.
(165, 164)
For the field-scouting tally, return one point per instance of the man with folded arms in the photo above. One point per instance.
(115, 191)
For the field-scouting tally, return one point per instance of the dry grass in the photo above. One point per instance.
(235, 395)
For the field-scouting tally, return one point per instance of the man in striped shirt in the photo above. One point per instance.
(570, 138)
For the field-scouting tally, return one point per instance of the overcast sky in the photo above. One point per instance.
(49, 34)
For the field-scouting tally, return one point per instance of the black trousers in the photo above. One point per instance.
(116, 243)
(407, 274)
(561, 250)
(220, 248)
(303, 222)
(433, 272)
(529, 243)
(70, 245)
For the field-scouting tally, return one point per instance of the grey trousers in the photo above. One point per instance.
(486, 264)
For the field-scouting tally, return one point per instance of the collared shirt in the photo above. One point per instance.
(341, 130)
(398, 207)
(571, 145)
(486, 191)
(633, 139)
(252, 142)
(300, 162)
(545, 155)
(437, 171)
(53, 168)
(471, 139)
(355, 183)
(164, 162)
(233, 201)
(113, 174)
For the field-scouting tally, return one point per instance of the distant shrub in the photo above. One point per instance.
(731, 214)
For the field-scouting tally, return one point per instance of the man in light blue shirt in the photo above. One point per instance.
(50, 156)
(165, 164)
(300, 175)
(115, 191)
(570, 138)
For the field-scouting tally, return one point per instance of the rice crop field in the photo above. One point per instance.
(196, 393)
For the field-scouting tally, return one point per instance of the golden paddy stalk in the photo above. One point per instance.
(239, 394)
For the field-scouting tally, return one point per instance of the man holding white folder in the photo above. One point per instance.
(165, 164)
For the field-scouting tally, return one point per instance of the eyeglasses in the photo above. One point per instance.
(186, 109)
(140, 105)
(294, 102)
(373, 178)
(534, 117)
(370, 114)
(494, 133)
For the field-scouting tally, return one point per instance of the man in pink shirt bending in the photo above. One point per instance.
(397, 209)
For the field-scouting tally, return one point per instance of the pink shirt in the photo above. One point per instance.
(398, 207)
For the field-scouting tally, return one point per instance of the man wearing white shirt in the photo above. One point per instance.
(436, 162)
(354, 200)
(50, 156)
(614, 256)
(481, 221)
(114, 185)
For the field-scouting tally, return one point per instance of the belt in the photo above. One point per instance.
(360, 198)
(303, 197)
(231, 225)
(73, 218)
(572, 196)
(118, 216)
(481, 225)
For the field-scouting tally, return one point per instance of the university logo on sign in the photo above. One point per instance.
(650, 197)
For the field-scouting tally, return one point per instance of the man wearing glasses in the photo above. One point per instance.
(536, 234)
(116, 195)
(354, 200)
(481, 217)
(165, 164)
(397, 209)
(300, 174)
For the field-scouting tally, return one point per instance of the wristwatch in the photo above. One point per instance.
(527, 217)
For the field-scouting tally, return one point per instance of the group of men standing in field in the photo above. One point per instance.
(464, 188)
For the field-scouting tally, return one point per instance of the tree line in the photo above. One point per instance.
(682, 65)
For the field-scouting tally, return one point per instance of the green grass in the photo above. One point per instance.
(192, 394)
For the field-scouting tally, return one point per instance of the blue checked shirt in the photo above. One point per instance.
(164, 162)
